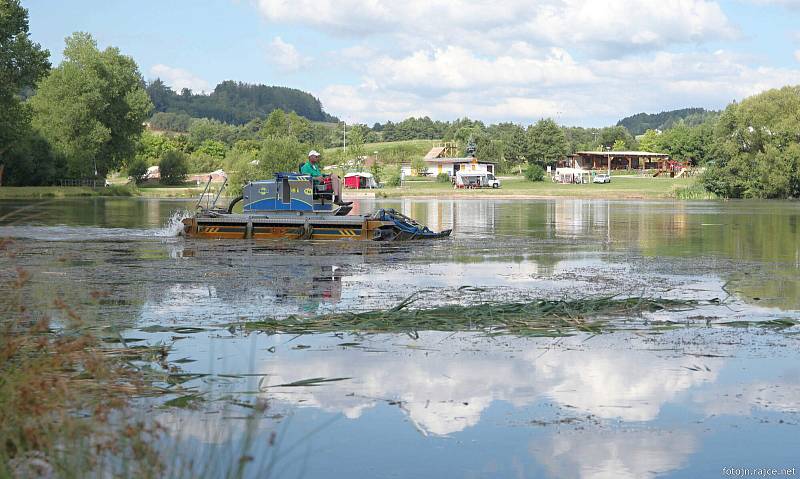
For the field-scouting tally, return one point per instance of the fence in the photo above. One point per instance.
(82, 182)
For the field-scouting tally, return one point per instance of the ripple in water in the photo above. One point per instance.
(171, 229)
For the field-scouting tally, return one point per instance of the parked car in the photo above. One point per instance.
(602, 178)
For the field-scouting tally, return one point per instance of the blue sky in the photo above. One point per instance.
(581, 62)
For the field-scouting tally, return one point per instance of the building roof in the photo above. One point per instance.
(458, 160)
(620, 153)
(434, 153)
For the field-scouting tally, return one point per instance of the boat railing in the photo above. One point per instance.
(207, 194)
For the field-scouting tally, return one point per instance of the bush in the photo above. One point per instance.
(173, 168)
(443, 178)
(137, 168)
(392, 175)
(534, 172)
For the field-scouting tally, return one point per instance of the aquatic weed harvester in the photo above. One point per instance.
(294, 206)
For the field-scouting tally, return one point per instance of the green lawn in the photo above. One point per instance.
(619, 188)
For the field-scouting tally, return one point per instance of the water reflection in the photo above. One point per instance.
(763, 237)
(611, 406)
(637, 454)
(444, 385)
(623, 404)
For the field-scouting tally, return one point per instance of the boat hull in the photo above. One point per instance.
(298, 228)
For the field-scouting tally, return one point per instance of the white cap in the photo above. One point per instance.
(313, 153)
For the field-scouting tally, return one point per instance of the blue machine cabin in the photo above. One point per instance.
(287, 192)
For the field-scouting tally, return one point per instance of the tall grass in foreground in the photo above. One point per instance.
(59, 389)
(65, 400)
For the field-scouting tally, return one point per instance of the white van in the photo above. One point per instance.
(476, 179)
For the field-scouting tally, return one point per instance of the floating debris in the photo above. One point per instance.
(561, 317)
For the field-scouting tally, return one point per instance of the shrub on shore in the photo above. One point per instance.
(534, 172)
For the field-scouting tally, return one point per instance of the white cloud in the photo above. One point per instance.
(178, 78)
(579, 61)
(797, 55)
(628, 23)
(286, 56)
(456, 68)
(780, 3)
(453, 82)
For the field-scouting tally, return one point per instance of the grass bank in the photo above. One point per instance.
(518, 187)
(42, 192)
(514, 187)
(171, 191)
(391, 151)
(32, 192)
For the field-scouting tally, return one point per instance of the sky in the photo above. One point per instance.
(580, 62)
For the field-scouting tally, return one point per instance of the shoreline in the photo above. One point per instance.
(7, 194)
(633, 189)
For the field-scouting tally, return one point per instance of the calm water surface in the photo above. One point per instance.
(683, 401)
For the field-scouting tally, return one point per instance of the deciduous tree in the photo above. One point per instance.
(546, 142)
(92, 107)
(22, 63)
(756, 149)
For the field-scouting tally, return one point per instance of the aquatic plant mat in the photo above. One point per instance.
(545, 317)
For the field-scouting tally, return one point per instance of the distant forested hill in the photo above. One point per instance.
(641, 122)
(236, 103)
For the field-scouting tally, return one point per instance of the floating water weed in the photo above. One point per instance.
(544, 317)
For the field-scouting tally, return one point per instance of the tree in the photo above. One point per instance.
(151, 147)
(22, 64)
(204, 129)
(173, 168)
(619, 145)
(92, 107)
(650, 142)
(516, 146)
(686, 143)
(236, 103)
(180, 122)
(546, 142)
(608, 136)
(756, 148)
(31, 162)
(213, 148)
(355, 142)
(280, 154)
(137, 169)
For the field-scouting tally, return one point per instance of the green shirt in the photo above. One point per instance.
(310, 169)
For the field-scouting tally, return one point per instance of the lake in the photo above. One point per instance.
(664, 394)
